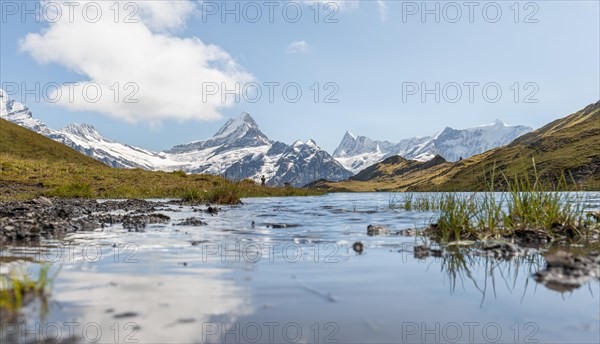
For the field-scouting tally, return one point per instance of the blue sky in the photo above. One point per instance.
(373, 57)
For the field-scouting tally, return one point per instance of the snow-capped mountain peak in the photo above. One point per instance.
(240, 124)
(18, 113)
(357, 153)
(83, 130)
(10, 105)
(238, 132)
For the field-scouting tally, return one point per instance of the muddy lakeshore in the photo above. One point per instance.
(44, 218)
(334, 267)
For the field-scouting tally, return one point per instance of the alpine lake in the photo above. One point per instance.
(288, 270)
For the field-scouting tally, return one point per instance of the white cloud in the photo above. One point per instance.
(169, 71)
(383, 10)
(165, 15)
(298, 47)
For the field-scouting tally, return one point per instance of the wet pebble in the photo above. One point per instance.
(565, 271)
(358, 247)
(376, 230)
(192, 221)
(125, 315)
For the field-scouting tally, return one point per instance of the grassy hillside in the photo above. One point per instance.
(566, 147)
(22, 143)
(31, 164)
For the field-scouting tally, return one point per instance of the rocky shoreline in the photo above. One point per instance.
(44, 218)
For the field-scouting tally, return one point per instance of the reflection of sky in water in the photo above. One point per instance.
(239, 282)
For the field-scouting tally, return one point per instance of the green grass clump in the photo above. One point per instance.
(17, 287)
(456, 218)
(226, 193)
(180, 173)
(223, 194)
(529, 204)
(414, 202)
(72, 190)
(192, 195)
(532, 205)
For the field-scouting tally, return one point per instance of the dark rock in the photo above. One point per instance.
(186, 320)
(408, 232)
(213, 210)
(192, 221)
(125, 315)
(565, 271)
(423, 251)
(281, 225)
(358, 247)
(532, 236)
(376, 230)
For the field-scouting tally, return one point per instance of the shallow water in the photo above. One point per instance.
(234, 282)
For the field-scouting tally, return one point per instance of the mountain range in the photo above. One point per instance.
(240, 150)
(565, 150)
(359, 152)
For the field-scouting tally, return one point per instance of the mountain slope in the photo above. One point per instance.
(22, 143)
(239, 150)
(83, 138)
(86, 139)
(567, 146)
(358, 152)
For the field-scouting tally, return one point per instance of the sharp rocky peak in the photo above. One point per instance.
(244, 121)
(349, 136)
(9, 106)
(82, 130)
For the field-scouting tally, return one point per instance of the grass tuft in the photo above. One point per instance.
(17, 287)
(72, 190)
(529, 204)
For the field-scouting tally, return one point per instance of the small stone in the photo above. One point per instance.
(125, 315)
(192, 221)
(408, 232)
(561, 259)
(358, 247)
(421, 251)
(376, 230)
(43, 201)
